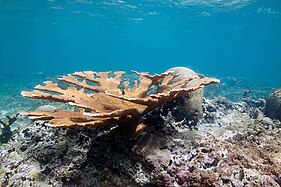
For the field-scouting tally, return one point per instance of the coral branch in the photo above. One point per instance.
(11, 120)
(6, 132)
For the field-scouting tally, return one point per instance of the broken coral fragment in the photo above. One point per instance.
(106, 98)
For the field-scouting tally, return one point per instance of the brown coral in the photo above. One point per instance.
(106, 98)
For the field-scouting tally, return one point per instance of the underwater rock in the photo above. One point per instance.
(240, 160)
(273, 105)
(152, 148)
(188, 106)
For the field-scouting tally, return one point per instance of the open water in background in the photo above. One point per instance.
(219, 38)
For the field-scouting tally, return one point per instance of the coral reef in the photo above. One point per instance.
(273, 105)
(6, 130)
(104, 98)
(234, 144)
(231, 147)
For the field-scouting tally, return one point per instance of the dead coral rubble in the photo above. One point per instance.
(105, 98)
(236, 149)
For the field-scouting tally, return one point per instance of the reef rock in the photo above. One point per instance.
(230, 149)
(273, 105)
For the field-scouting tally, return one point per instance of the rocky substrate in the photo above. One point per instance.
(233, 145)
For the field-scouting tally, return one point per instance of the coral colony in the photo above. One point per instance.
(105, 97)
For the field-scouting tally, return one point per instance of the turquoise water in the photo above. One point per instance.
(226, 38)
(237, 41)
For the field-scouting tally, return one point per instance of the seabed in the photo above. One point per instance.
(234, 144)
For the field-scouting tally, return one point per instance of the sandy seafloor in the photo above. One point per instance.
(234, 144)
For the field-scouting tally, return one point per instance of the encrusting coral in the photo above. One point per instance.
(107, 98)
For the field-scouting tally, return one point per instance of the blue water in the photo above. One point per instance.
(219, 38)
